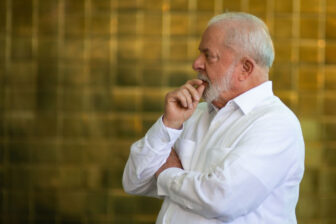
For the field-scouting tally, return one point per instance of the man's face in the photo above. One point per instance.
(216, 65)
(213, 90)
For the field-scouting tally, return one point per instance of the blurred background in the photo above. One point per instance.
(80, 80)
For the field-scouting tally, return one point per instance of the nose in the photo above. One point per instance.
(198, 64)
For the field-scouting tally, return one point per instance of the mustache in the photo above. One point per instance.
(203, 77)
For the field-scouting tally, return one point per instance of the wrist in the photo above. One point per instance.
(172, 124)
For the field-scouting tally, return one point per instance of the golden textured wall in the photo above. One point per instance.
(80, 80)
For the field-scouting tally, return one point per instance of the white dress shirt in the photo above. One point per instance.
(242, 164)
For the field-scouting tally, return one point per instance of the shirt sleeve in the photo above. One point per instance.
(266, 155)
(146, 156)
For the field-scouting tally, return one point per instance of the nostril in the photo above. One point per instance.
(196, 65)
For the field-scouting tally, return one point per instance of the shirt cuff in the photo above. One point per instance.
(173, 133)
(165, 179)
(160, 135)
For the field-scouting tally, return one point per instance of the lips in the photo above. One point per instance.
(205, 83)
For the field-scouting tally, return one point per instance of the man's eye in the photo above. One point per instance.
(209, 56)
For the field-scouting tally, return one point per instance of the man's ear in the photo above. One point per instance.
(247, 68)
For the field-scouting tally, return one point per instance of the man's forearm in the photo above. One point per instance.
(146, 157)
(172, 161)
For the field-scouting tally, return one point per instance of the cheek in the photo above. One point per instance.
(234, 81)
(216, 73)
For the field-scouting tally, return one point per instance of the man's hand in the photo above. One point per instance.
(182, 102)
(172, 161)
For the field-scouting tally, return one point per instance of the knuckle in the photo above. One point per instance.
(169, 95)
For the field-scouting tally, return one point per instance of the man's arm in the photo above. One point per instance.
(151, 152)
(172, 161)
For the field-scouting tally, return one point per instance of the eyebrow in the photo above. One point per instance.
(208, 51)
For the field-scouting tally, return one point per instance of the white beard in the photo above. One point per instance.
(213, 90)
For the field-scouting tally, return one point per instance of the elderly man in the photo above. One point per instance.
(236, 158)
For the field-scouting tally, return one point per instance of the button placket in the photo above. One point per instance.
(227, 110)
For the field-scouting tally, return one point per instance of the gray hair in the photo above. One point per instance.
(249, 34)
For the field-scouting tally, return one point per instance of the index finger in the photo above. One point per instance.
(196, 82)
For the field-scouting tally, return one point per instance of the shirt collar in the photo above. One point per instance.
(251, 98)
(212, 108)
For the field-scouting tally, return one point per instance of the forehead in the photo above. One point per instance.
(212, 38)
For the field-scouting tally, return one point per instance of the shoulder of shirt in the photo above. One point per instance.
(281, 111)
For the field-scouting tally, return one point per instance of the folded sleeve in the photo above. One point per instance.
(220, 194)
(146, 156)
